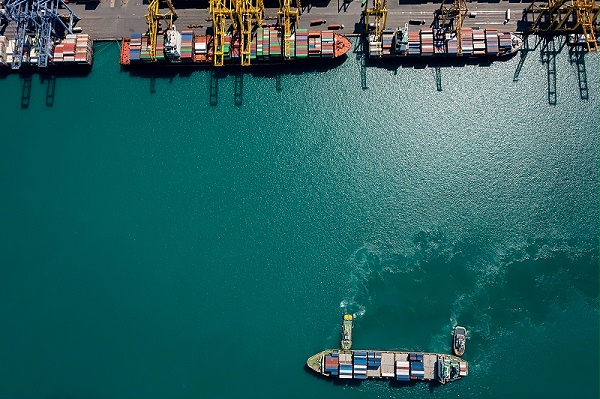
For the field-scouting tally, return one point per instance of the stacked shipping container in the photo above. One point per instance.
(314, 43)
(478, 42)
(360, 365)
(75, 48)
(135, 46)
(414, 43)
(327, 43)
(467, 41)
(187, 45)
(491, 41)
(3, 50)
(374, 364)
(200, 48)
(417, 371)
(332, 363)
(345, 361)
(387, 37)
(266, 46)
(427, 42)
(301, 43)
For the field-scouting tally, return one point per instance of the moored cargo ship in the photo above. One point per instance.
(74, 50)
(189, 48)
(390, 365)
(405, 43)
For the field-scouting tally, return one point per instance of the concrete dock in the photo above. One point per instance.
(113, 19)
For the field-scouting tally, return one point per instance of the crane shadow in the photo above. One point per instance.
(577, 57)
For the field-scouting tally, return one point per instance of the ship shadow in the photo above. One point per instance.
(276, 71)
(47, 77)
(417, 63)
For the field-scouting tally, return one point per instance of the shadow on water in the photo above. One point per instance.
(549, 48)
(548, 53)
(47, 77)
(577, 57)
(359, 51)
(26, 90)
(525, 50)
(237, 73)
(432, 385)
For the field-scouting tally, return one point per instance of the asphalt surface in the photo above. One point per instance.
(113, 19)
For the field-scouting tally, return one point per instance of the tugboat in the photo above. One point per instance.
(347, 324)
(459, 341)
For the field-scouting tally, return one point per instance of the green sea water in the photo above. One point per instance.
(197, 234)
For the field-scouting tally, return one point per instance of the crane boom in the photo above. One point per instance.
(285, 16)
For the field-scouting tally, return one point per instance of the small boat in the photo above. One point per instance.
(459, 341)
(347, 324)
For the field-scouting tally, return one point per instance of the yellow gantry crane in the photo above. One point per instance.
(285, 18)
(220, 10)
(152, 19)
(245, 12)
(456, 12)
(242, 14)
(587, 16)
(380, 13)
(567, 16)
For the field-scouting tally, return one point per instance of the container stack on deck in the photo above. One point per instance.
(332, 363)
(417, 370)
(145, 49)
(360, 365)
(491, 41)
(314, 44)
(387, 37)
(414, 43)
(426, 42)
(345, 365)
(505, 41)
(160, 48)
(327, 44)
(3, 48)
(374, 364)
(402, 369)
(478, 42)
(467, 41)
(275, 43)
(302, 43)
(187, 45)
(452, 46)
(200, 48)
(135, 46)
(74, 49)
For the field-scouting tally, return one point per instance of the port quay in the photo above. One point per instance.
(110, 20)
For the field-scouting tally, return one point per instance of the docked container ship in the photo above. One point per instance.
(74, 49)
(187, 47)
(390, 365)
(430, 42)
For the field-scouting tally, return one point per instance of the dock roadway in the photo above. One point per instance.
(113, 19)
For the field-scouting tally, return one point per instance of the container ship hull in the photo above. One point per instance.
(74, 51)
(388, 365)
(186, 48)
(434, 44)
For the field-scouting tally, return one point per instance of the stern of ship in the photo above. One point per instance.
(125, 43)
